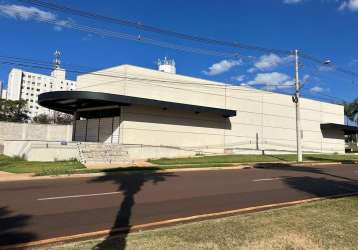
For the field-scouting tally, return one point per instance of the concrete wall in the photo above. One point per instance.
(264, 119)
(37, 142)
(41, 150)
(40, 132)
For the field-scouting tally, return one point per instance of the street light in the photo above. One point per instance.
(327, 62)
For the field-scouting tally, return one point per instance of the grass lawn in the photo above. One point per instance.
(17, 165)
(328, 224)
(254, 158)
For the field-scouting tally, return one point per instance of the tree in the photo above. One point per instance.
(13, 111)
(351, 109)
(42, 118)
(62, 118)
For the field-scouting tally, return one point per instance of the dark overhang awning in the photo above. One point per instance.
(348, 130)
(71, 101)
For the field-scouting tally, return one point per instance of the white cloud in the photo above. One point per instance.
(353, 62)
(292, 1)
(239, 78)
(325, 68)
(272, 80)
(87, 37)
(62, 24)
(316, 89)
(221, 67)
(25, 13)
(271, 61)
(306, 78)
(351, 5)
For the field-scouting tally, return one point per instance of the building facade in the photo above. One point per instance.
(28, 85)
(151, 108)
(4, 94)
(1, 90)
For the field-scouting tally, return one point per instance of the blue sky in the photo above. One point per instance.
(323, 28)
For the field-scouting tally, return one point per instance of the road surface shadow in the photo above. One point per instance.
(289, 167)
(10, 228)
(316, 159)
(321, 187)
(325, 184)
(129, 184)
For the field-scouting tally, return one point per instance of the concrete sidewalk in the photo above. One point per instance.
(5, 176)
(9, 177)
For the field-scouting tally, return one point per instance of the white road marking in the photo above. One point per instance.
(268, 179)
(76, 196)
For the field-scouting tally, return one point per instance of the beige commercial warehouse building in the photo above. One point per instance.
(129, 105)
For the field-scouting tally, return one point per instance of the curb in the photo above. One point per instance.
(13, 178)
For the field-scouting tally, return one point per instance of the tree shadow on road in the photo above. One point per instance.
(325, 184)
(317, 158)
(10, 228)
(129, 184)
(321, 187)
(307, 169)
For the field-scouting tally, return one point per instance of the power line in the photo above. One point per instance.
(332, 66)
(142, 39)
(153, 29)
(47, 65)
(32, 63)
(140, 26)
(152, 81)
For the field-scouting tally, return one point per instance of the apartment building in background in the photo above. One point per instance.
(3, 91)
(28, 85)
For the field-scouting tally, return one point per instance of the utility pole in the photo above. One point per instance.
(296, 100)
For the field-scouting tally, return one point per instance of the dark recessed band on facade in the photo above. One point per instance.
(72, 101)
(345, 128)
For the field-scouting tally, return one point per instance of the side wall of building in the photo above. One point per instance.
(264, 121)
(14, 84)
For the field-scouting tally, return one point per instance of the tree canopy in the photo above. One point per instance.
(351, 109)
(56, 118)
(13, 111)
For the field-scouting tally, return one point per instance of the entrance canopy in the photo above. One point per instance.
(86, 102)
(348, 130)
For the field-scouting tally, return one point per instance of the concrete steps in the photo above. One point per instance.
(92, 153)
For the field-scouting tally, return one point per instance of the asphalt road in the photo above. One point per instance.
(43, 209)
